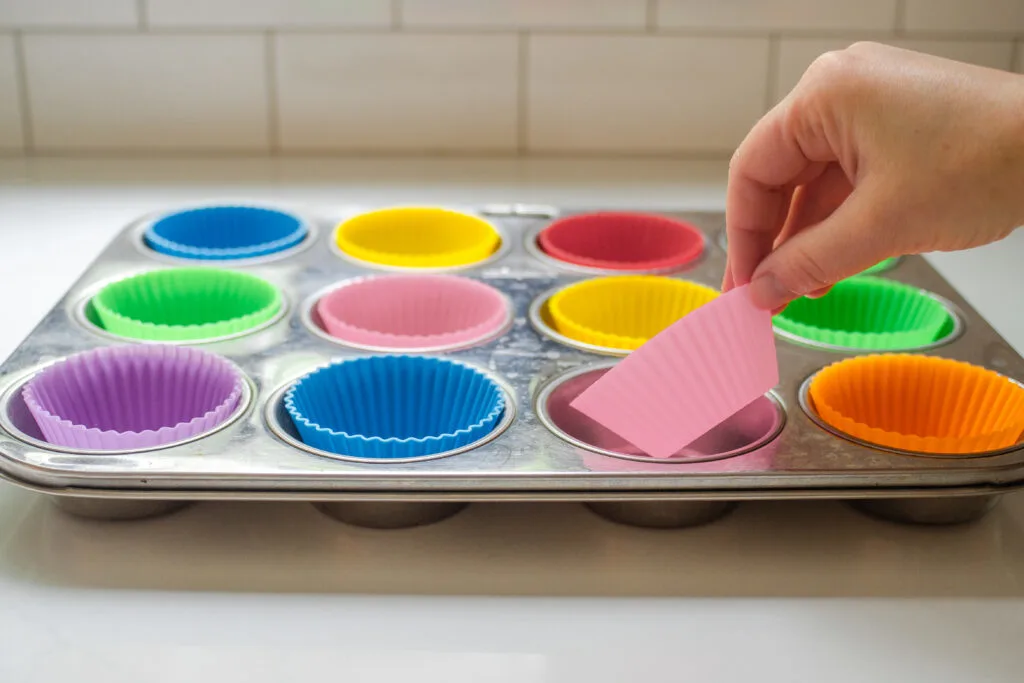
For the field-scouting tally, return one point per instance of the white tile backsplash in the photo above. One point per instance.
(397, 92)
(269, 13)
(766, 15)
(643, 94)
(515, 14)
(96, 92)
(964, 16)
(11, 134)
(65, 13)
(449, 76)
(796, 54)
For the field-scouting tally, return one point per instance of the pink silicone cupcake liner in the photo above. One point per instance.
(132, 397)
(689, 378)
(726, 443)
(622, 241)
(412, 311)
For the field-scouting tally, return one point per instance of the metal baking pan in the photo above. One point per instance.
(529, 457)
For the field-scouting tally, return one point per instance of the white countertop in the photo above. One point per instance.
(260, 592)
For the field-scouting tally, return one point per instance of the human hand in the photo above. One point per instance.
(877, 152)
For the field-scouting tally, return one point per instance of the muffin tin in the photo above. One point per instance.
(537, 449)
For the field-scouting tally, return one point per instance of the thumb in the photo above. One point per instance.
(852, 239)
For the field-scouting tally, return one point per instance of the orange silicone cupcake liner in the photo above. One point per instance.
(922, 404)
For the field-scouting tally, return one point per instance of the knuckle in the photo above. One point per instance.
(865, 48)
(828, 69)
(806, 272)
(843, 68)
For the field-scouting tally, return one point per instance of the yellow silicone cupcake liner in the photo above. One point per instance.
(623, 312)
(923, 404)
(418, 238)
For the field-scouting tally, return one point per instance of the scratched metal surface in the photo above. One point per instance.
(247, 456)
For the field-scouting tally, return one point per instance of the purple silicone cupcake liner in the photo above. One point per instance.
(133, 397)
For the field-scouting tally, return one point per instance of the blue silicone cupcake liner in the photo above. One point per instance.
(225, 233)
(394, 407)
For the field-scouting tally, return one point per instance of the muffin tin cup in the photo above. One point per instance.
(234, 233)
(986, 408)
(281, 425)
(750, 429)
(618, 242)
(622, 312)
(184, 305)
(867, 313)
(131, 398)
(441, 240)
(410, 313)
(394, 407)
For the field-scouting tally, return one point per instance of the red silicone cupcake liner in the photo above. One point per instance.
(622, 241)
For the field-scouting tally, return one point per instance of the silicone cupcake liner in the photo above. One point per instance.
(622, 241)
(923, 404)
(413, 311)
(132, 397)
(394, 406)
(689, 379)
(867, 313)
(624, 311)
(225, 233)
(185, 304)
(747, 428)
(881, 266)
(418, 238)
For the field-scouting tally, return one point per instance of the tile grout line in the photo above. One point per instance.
(522, 101)
(140, 8)
(900, 20)
(652, 16)
(490, 31)
(28, 138)
(396, 15)
(213, 152)
(270, 76)
(772, 79)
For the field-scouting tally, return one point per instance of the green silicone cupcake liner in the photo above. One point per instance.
(185, 304)
(881, 266)
(867, 313)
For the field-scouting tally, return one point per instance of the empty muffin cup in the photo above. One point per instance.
(624, 311)
(622, 241)
(394, 407)
(748, 429)
(418, 238)
(922, 404)
(867, 313)
(132, 397)
(413, 312)
(225, 233)
(186, 304)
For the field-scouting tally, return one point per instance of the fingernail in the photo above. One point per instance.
(818, 293)
(768, 293)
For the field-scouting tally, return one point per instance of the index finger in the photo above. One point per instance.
(766, 167)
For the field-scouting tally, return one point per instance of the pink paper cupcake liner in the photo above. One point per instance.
(412, 311)
(132, 397)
